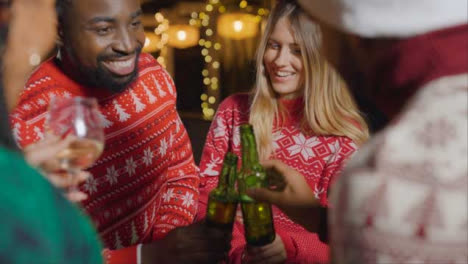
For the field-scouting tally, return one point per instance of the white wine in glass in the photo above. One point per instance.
(78, 118)
(80, 154)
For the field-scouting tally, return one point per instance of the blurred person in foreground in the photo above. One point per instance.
(403, 198)
(38, 225)
(143, 190)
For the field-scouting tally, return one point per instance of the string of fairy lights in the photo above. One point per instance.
(239, 22)
(211, 46)
(161, 32)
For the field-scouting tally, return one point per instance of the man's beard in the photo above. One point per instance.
(101, 77)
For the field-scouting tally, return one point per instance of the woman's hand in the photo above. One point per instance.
(43, 156)
(291, 194)
(294, 191)
(274, 253)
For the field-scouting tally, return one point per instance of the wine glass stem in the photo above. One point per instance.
(73, 174)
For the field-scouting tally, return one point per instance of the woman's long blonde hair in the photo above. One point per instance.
(329, 108)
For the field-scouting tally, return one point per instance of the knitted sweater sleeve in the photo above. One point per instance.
(344, 148)
(179, 198)
(23, 133)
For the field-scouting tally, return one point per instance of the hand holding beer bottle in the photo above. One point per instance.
(257, 216)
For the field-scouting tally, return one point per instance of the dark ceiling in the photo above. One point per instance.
(151, 6)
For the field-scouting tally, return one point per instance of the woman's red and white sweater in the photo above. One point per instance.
(317, 158)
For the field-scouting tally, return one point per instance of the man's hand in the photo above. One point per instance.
(273, 253)
(196, 243)
(291, 194)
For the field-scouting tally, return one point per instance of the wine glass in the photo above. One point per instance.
(78, 118)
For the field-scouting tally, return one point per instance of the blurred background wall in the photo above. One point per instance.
(208, 47)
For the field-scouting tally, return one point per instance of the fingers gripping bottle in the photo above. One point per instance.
(257, 216)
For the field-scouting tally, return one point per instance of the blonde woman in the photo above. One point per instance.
(303, 115)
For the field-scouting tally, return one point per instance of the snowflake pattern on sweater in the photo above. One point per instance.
(147, 153)
(318, 158)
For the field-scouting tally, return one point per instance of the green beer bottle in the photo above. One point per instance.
(258, 217)
(222, 201)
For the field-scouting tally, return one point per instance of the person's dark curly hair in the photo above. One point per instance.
(60, 7)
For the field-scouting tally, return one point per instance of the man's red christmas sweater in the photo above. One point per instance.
(145, 183)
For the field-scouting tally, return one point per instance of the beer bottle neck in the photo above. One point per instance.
(228, 176)
(232, 177)
(223, 176)
(249, 151)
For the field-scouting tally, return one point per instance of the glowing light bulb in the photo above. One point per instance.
(238, 25)
(181, 35)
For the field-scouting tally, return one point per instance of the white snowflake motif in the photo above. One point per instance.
(91, 185)
(277, 136)
(175, 222)
(187, 199)
(168, 195)
(41, 102)
(220, 129)
(181, 173)
(130, 166)
(334, 148)
(163, 147)
(26, 107)
(148, 156)
(303, 146)
(112, 175)
(66, 94)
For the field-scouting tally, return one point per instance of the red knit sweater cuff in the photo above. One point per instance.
(127, 255)
(289, 245)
